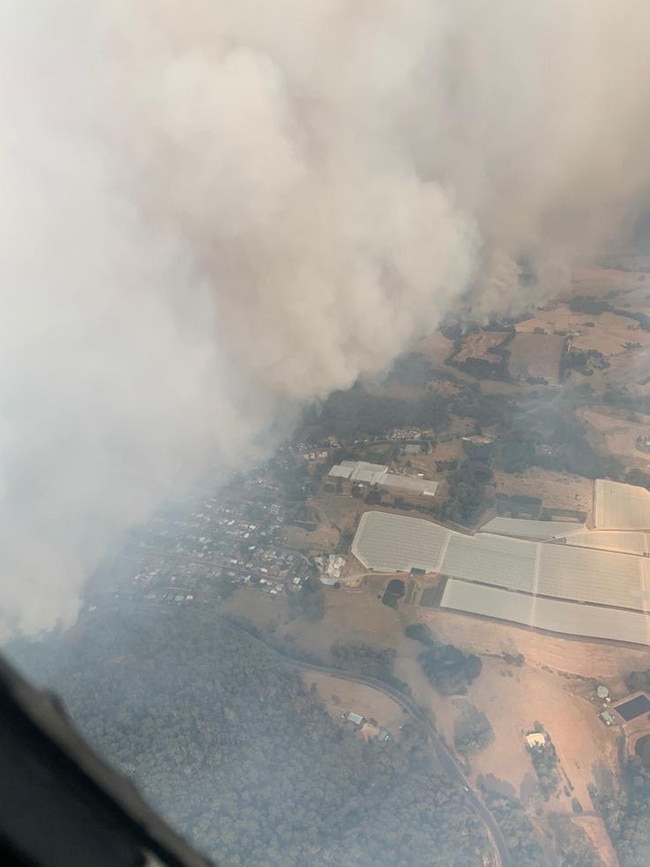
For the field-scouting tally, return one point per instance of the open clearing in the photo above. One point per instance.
(609, 334)
(342, 512)
(437, 349)
(340, 696)
(513, 699)
(534, 355)
(617, 436)
(357, 617)
(324, 538)
(601, 281)
(557, 490)
(587, 659)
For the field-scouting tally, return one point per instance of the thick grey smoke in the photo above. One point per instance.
(214, 211)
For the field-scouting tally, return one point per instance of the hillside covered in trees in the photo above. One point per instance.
(228, 743)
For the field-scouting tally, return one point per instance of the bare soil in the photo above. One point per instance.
(536, 355)
(617, 436)
(324, 538)
(557, 490)
(609, 334)
(340, 696)
(600, 281)
(351, 616)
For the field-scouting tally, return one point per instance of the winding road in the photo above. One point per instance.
(444, 754)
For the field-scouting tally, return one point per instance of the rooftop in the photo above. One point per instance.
(524, 529)
(621, 507)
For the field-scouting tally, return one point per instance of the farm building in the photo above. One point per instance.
(491, 560)
(377, 474)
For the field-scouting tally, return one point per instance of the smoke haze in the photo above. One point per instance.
(212, 212)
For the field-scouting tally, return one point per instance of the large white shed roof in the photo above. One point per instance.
(624, 541)
(524, 529)
(491, 560)
(621, 507)
(553, 615)
(394, 543)
(591, 576)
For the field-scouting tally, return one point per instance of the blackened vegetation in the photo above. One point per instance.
(414, 370)
(583, 361)
(355, 413)
(447, 667)
(622, 399)
(546, 434)
(595, 306)
(243, 759)
(492, 365)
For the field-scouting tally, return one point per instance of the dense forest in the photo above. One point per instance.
(229, 744)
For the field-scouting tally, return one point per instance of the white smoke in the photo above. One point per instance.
(211, 212)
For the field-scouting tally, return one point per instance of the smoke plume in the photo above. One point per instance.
(212, 212)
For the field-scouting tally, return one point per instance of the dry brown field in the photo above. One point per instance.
(602, 660)
(340, 696)
(341, 512)
(599, 281)
(351, 616)
(609, 334)
(557, 317)
(615, 434)
(536, 355)
(436, 347)
(557, 490)
(324, 538)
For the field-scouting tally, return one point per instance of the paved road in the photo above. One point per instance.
(445, 756)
